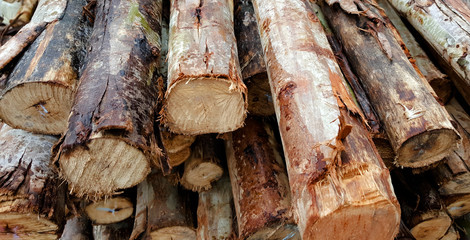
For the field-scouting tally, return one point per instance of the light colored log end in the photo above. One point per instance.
(458, 206)
(177, 232)
(452, 234)
(176, 159)
(284, 232)
(26, 226)
(204, 105)
(176, 142)
(433, 226)
(110, 210)
(201, 176)
(37, 107)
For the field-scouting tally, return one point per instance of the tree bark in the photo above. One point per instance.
(205, 91)
(111, 126)
(112, 210)
(418, 127)
(32, 199)
(305, 81)
(77, 228)
(115, 231)
(162, 211)
(38, 94)
(177, 146)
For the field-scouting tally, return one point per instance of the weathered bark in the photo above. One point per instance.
(259, 184)
(205, 91)
(203, 167)
(418, 127)
(178, 147)
(251, 57)
(215, 217)
(77, 228)
(444, 25)
(115, 231)
(31, 197)
(111, 126)
(38, 94)
(305, 82)
(111, 210)
(162, 212)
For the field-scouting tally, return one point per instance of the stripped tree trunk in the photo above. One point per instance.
(444, 25)
(302, 71)
(178, 147)
(205, 90)
(77, 228)
(115, 231)
(259, 184)
(215, 217)
(111, 210)
(38, 94)
(32, 199)
(417, 126)
(111, 126)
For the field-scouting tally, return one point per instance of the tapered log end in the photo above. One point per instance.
(110, 210)
(177, 232)
(204, 105)
(37, 107)
(26, 226)
(434, 228)
(201, 177)
(427, 148)
(284, 231)
(102, 167)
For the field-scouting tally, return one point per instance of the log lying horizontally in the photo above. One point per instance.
(205, 90)
(302, 70)
(38, 94)
(177, 146)
(259, 183)
(110, 143)
(110, 210)
(77, 228)
(418, 127)
(115, 231)
(31, 198)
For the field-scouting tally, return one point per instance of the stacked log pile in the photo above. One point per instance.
(234, 119)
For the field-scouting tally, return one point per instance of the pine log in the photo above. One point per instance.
(417, 126)
(215, 217)
(251, 57)
(111, 210)
(111, 126)
(32, 199)
(305, 83)
(203, 167)
(177, 146)
(205, 91)
(162, 211)
(115, 231)
(77, 228)
(38, 94)
(259, 184)
(444, 25)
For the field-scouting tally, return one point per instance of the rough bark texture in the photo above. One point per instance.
(115, 231)
(305, 81)
(177, 146)
(205, 90)
(162, 211)
(77, 228)
(110, 210)
(31, 198)
(417, 126)
(111, 126)
(444, 25)
(215, 216)
(259, 184)
(38, 94)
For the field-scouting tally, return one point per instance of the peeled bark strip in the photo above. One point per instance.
(305, 81)
(215, 218)
(31, 198)
(77, 228)
(38, 94)
(115, 231)
(162, 212)
(205, 91)
(111, 126)
(259, 183)
(203, 167)
(110, 210)
(177, 146)
(417, 126)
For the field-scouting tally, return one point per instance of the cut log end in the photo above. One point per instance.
(26, 226)
(177, 232)
(434, 228)
(287, 231)
(37, 107)
(100, 173)
(427, 148)
(178, 158)
(110, 210)
(205, 105)
(201, 177)
(459, 206)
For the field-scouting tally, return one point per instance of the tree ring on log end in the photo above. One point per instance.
(109, 211)
(37, 107)
(201, 177)
(427, 148)
(105, 165)
(219, 105)
(177, 232)
(26, 226)
(286, 231)
(434, 228)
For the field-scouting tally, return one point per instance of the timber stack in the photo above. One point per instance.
(234, 119)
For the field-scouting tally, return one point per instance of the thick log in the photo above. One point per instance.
(116, 231)
(305, 83)
(205, 91)
(259, 183)
(177, 146)
(111, 126)
(38, 94)
(203, 167)
(444, 25)
(215, 216)
(417, 126)
(162, 211)
(111, 210)
(77, 228)
(31, 197)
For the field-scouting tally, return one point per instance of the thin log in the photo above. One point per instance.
(177, 146)
(417, 126)
(205, 92)
(77, 228)
(305, 82)
(31, 196)
(111, 210)
(38, 94)
(452, 234)
(115, 231)
(110, 143)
